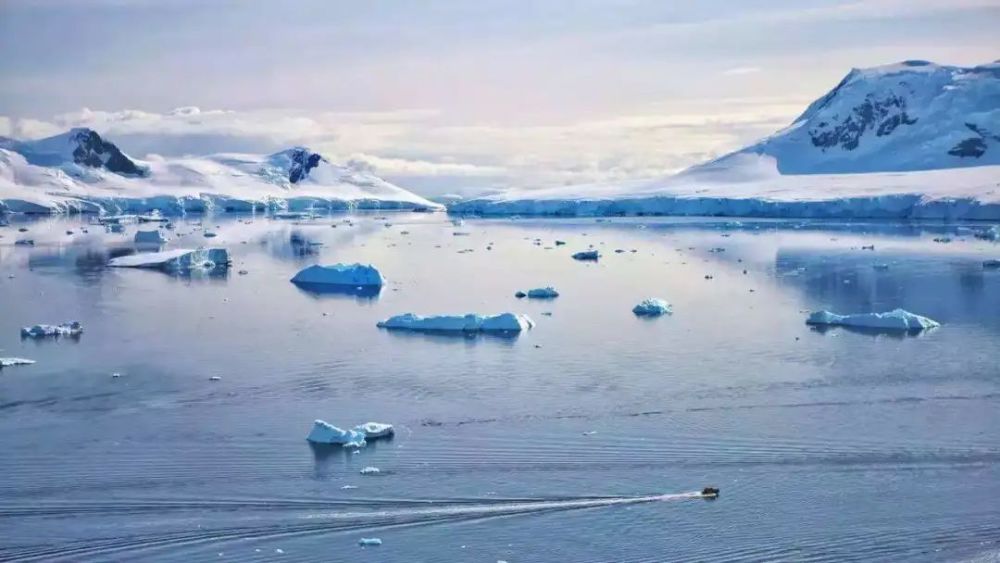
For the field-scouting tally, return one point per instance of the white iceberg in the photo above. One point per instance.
(504, 322)
(652, 307)
(326, 433)
(179, 260)
(151, 238)
(897, 319)
(352, 275)
(73, 328)
(375, 430)
(6, 362)
(587, 255)
(370, 470)
(369, 542)
(539, 293)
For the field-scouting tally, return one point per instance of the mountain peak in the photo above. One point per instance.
(910, 115)
(81, 146)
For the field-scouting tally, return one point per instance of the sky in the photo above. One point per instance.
(456, 95)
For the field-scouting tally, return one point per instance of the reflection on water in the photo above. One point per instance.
(198, 446)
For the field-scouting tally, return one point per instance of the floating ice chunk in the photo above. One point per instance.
(73, 328)
(897, 319)
(152, 238)
(6, 362)
(374, 430)
(180, 260)
(24, 242)
(326, 433)
(587, 255)
(504, 322)
(991, 264)
(369, 542)
(370, 470)
(652, 307)
(991, 233)
(538, 293)
(352, 275)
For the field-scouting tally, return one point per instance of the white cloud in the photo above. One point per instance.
(741, 70)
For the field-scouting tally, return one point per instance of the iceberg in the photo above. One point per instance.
(149, 238)
(652, 307)
(470, 323)
(351, 275)
(538, 293)
(369, 542)
(991, 264)
(370, 470)
(175, 261)
(325, 433)
(898, 319)
(587, 255)
(73, 328)
(375, 430)
(6, 362)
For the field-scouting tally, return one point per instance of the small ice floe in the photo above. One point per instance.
(460, 234)
(943, 240)
(375, 430)
(991, 233)
(881, 267)
(370, 470)
(369, 542)
(116, 228)
(538, 293)
(716, 250)
(349, 275)
(560, 243)
(652, 307)
(209, 234)
(457, 222)
(470, 323)
(8, 362)
(326, 433)
(175, 261)
(215, 378)
(869, 247)
(69, 233)
(991, 264)
(153, 217)
(73, 328)
(24, 242)
(591, 255)
(898, 319)
(149, 238)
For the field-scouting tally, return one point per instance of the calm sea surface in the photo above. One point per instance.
(828, 446)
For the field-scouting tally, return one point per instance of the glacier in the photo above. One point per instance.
(913, 140)
(79, 171)
(470, 323)
(897, 319)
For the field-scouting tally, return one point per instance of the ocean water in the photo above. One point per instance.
(575, 441)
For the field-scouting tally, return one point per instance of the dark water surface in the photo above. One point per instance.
(828, 446)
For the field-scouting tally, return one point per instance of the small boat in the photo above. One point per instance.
(710, 492)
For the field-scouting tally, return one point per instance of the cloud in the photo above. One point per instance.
(741, 70)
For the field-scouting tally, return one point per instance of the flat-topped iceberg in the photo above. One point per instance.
(73, 328)
(180, 260)
(325, 433)
(538, 293)
(898, 319)
(350, 275)
(652, 307)
(7, 362)
(375, 430)
(150, 238)
(504, 322)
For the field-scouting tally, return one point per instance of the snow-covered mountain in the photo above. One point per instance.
(81, 171)
(908, 140)
(914, 115)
